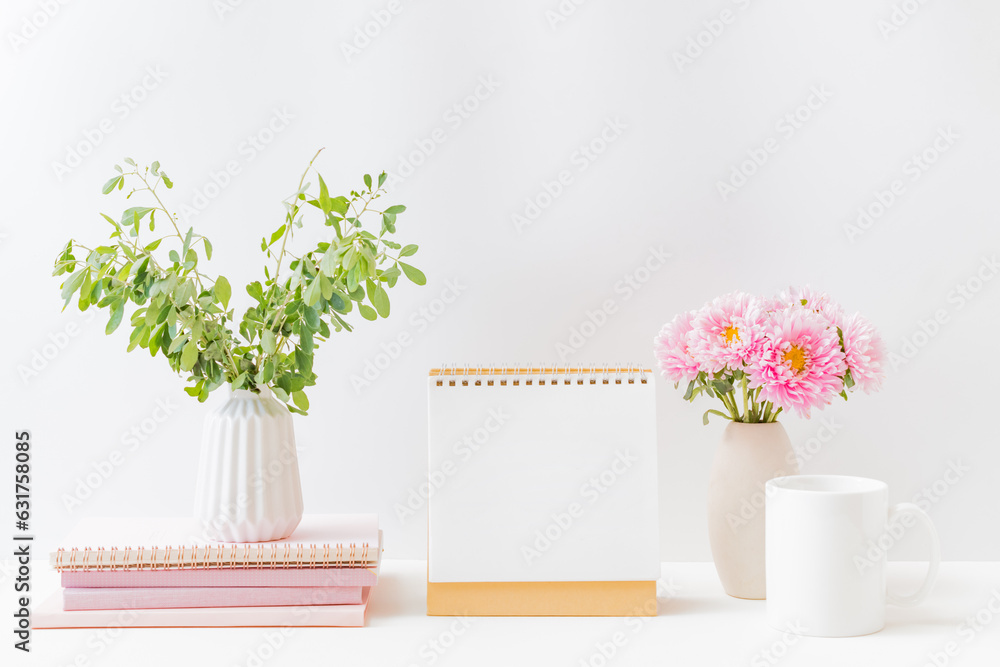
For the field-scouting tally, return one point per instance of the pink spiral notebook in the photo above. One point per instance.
(124, 544)
(75, 599)
(49, 614)
(218, 577)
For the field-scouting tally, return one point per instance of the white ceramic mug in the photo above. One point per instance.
(826, 537)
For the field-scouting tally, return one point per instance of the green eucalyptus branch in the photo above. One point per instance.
(185, 315)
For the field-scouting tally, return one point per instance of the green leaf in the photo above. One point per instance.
(408, 250)
(368, 181)
(347, 261)
(110, 185)
(381, 178)
(324, 196)
(166, 181)
(153, 246)
(174, 257)
(256, 291)
(689, 394)
(328, 263)
(339, 205)
(116, 318)
(189, 356)
(704, 418)
(306, 341)
(311, 317)
(395, 210)
(223, 291)
(325, 286)
(73, 283)
(208, 249)
(300, 400)
(177, 343)
(277, 234)
(339, 302)
(303, 360)
(353, 278)
(414, 274)
(313, 293)
(268, 342)
(381, 302)
(367, 312)
(722, 386)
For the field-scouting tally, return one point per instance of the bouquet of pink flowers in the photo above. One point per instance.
(795, 351)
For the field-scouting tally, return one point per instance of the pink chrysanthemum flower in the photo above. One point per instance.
(865, 352)
(671, 349)
(802, 365)
(812, 300)
(728, 332)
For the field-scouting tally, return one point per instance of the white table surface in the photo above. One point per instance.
(697, 625)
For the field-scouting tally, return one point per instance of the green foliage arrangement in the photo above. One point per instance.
(184, 314)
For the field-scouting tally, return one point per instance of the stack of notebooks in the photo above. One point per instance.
(114, 572)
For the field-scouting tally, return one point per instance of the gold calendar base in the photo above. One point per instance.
(542, 598)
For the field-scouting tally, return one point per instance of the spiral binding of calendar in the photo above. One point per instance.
(243, 556)
(529, 375)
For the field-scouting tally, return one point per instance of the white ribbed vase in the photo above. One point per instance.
(248, 477)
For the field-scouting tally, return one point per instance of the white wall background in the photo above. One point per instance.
(655, 186)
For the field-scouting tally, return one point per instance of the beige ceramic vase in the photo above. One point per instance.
(748, 456)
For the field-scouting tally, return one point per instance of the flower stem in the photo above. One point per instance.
(746, 411)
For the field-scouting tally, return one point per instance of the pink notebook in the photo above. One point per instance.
(240, 577)
(49, 614)
(324, 541)
(75, 599)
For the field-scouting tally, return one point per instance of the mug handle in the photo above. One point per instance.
(935, 560)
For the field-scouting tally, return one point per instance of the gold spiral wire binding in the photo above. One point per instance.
(618, 374)
(364, 553)
(287, 554)
(312, 555)
(260, 556)
(479, 381)
(273, 556)
(642, 375)
(326, 555)
(352, 555)
(517, 375)
(503, 383)
(465, 376)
